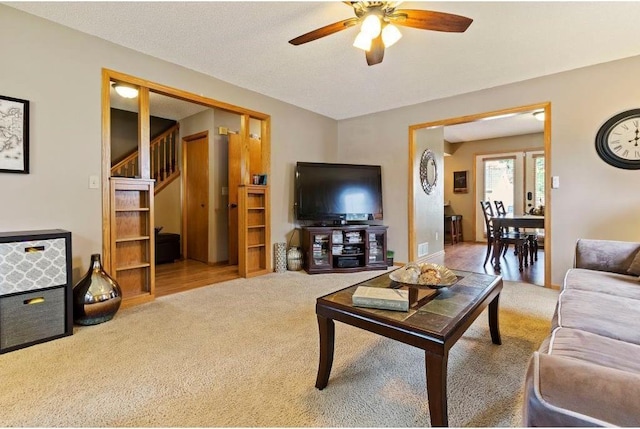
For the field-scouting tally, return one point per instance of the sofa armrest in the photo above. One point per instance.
(605, 255)
(567, 392)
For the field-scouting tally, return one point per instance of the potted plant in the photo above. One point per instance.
(390, 258)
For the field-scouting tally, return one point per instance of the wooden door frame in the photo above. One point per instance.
(145, 86)
(546, 106)
(183, 193)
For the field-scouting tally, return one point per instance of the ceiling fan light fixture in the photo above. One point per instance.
(126, 91)
(371, 26)
(362, 42)
(539, 115)
(390, 35)
(376, 30)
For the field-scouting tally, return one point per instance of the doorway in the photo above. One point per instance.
(141, 105)
(415, 131)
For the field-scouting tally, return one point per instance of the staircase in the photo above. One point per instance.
(164, 160)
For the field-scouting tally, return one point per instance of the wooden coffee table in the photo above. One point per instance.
(433, 323)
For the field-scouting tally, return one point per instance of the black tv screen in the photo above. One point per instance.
(338, 192)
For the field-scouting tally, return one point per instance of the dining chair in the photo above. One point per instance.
(503, 238)
(500, 210)
(533, 246)
(532, 237)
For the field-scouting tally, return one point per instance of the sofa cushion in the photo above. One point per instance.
(634, 268)
(605, 255)
(603, 282)
(593, 348)
(563, 392)
(600, 313)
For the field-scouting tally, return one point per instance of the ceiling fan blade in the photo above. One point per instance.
(375, 55)
(324, 31)
(430, 20)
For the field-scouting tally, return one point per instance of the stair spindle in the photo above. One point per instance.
(172, 157)
(164, 153)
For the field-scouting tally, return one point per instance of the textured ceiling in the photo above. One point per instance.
(489, 128)
(246, 44)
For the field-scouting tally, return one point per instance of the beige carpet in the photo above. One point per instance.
(245, 353)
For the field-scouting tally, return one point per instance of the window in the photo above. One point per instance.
(538, 193)
(499, 181)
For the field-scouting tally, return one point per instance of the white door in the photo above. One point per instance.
(534, 180)
(516, 178)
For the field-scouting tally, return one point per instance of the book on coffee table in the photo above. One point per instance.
(381, 298)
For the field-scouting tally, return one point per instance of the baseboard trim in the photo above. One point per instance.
(431, 256)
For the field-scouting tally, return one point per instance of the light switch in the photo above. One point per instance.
(225, 190)
(555, 182)
(94, 182)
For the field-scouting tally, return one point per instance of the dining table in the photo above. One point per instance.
(510, 220)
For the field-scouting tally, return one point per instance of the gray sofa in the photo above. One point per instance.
(587, 372)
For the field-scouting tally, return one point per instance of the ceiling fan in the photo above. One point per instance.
(378, 30)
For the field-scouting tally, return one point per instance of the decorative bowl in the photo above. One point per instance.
(412, 274)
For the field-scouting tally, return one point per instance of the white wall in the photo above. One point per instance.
(428, 214)
(168, 211)
(594, 200)
(65, 128)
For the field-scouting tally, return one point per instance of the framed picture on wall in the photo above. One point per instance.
(460, 182)
(14, 135)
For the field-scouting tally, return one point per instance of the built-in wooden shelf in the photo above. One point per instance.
(132, 238)
(133, 209)
(254, 239)
(133, 266)
(140, 237)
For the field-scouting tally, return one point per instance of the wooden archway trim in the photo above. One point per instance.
(546, 106)
(145, 87)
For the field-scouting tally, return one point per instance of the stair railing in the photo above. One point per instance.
(164, 160)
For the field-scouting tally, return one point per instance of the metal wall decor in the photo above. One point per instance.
(14, 135)
(428, 171)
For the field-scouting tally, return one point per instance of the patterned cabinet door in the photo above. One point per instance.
(29, 265)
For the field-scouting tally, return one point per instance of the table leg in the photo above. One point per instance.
(493, 321)
(452, 230)
(497, 250)
(521, 255)
(436, 366)
(533, 248)
(327, 340)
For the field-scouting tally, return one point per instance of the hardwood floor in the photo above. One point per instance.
(189, 274)
(470, 257)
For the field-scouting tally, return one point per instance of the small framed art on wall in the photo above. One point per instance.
(460, 182)
(14, 135)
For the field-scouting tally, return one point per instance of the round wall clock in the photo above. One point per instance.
(428, 171)
(618, 140)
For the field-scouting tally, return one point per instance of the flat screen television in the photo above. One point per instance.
(338, 193)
